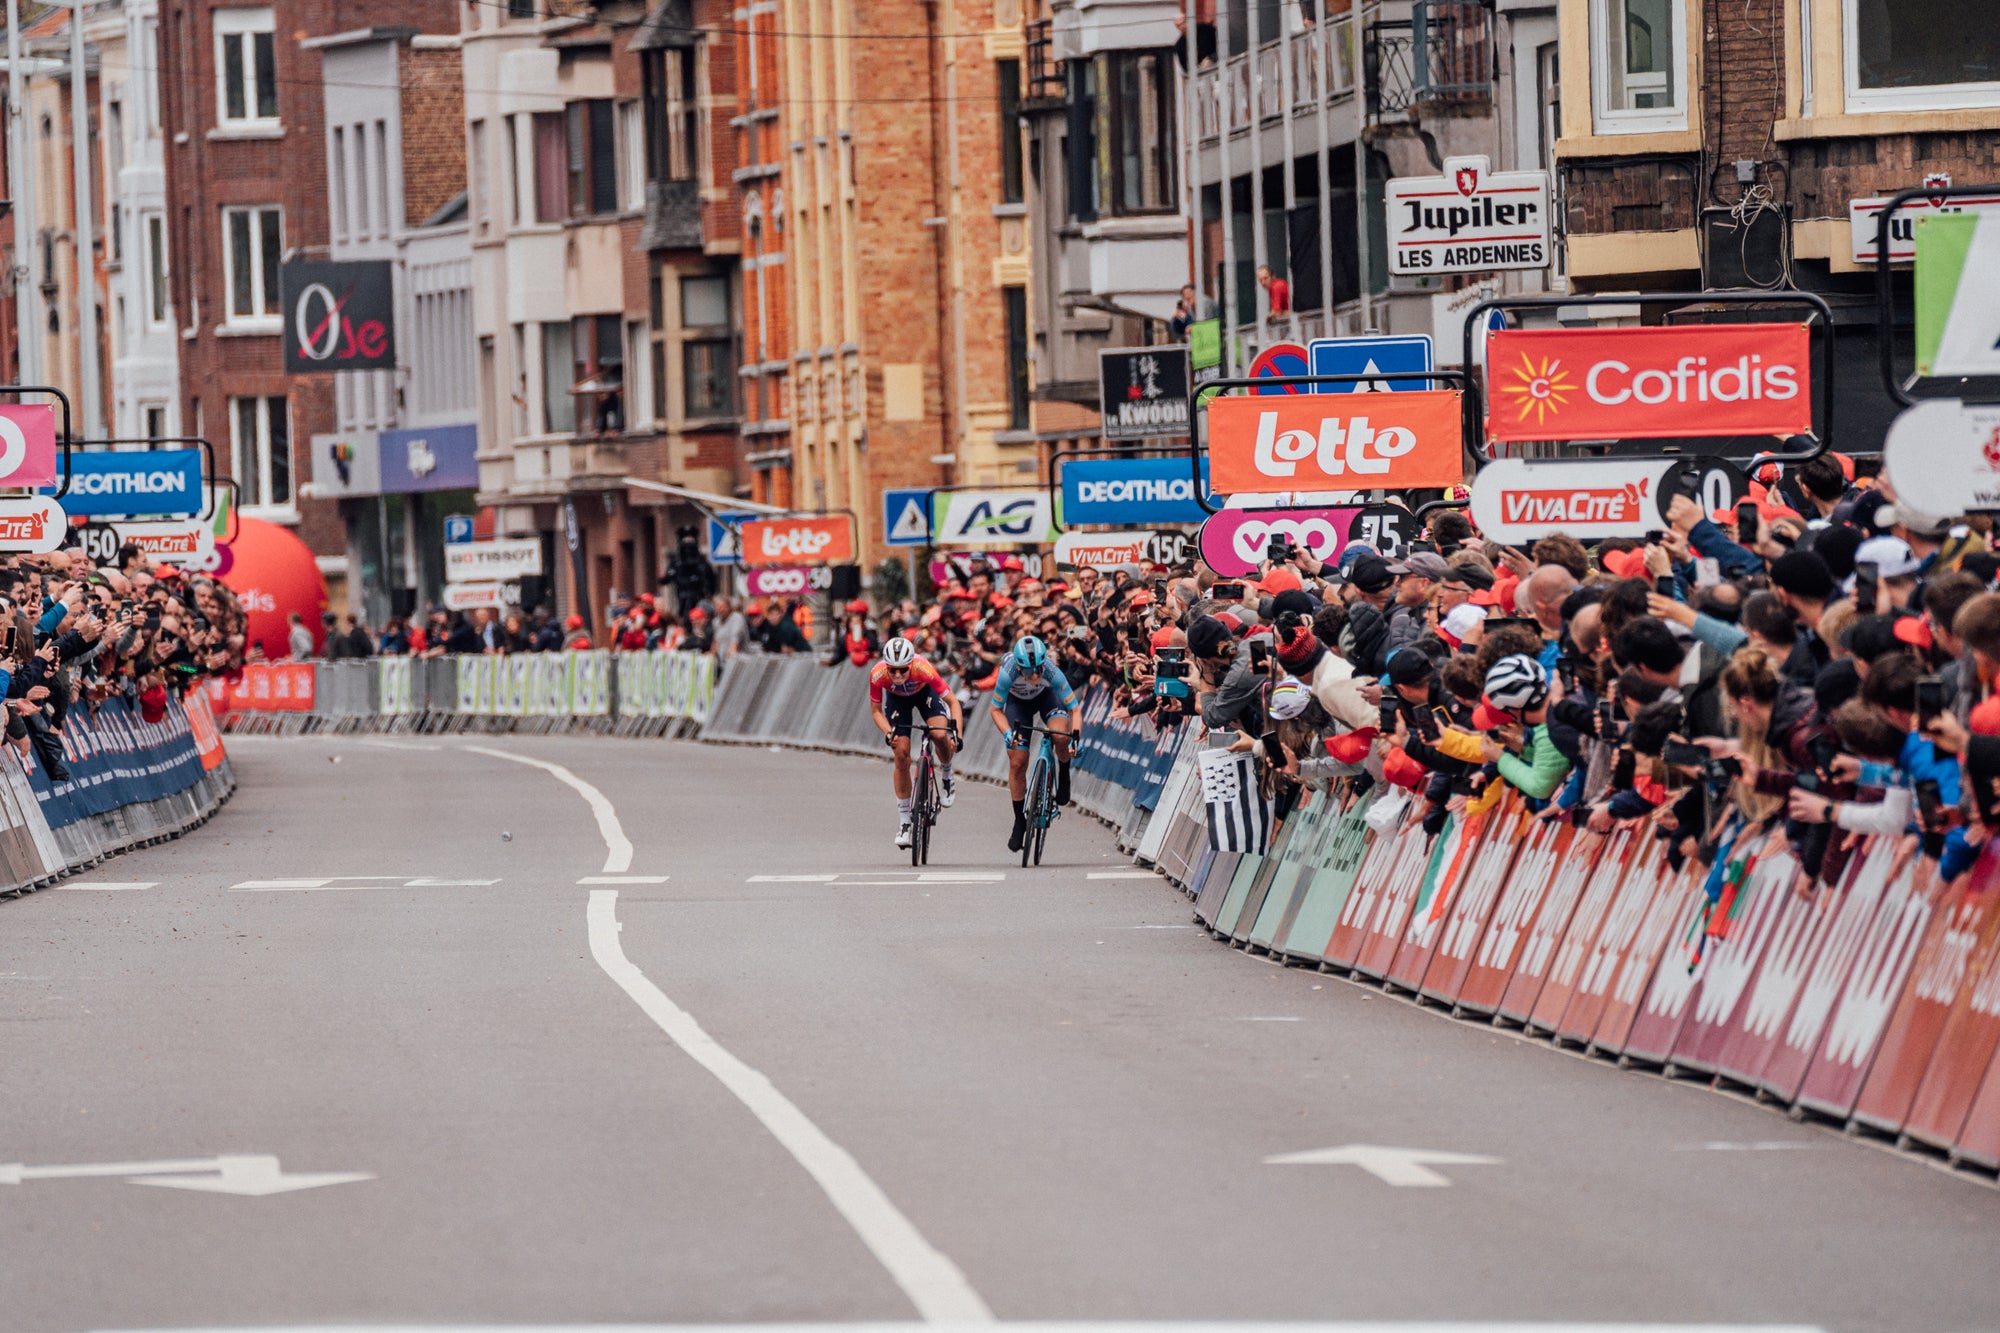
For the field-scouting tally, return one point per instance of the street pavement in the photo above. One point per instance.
(806, 1083)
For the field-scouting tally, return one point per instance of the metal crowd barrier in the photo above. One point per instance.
(626, 694)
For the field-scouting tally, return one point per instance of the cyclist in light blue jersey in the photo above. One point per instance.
(1031, 687)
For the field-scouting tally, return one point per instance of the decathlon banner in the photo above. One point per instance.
(1130, 492)
(1263, 444)
(120, 485)
(1652, 383)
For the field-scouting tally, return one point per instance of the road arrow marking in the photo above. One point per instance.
(1407, 1167)
(251, 1175)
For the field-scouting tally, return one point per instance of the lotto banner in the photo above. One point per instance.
(274, 687)
(1267, 443)
(201, 723)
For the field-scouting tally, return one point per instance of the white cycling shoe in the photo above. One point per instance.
(903, 838)
(950, 793)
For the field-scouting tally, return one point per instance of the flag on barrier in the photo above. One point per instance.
(1239, 818)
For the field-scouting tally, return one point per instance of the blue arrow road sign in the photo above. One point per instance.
(906, 517)
(722, 540)
(1366, 356)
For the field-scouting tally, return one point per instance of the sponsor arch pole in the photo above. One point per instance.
(1477, 393)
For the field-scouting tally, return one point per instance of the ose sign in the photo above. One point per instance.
(339, 316)
(818, 539)
(1327, 442)
(1469, 220)
(1651, 383)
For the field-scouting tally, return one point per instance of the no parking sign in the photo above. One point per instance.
(1281, 361)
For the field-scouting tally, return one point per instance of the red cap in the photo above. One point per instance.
(1985, 720)
(1163, 638)
(1351, 747)
(1282, 579)
(1625, 564)
(1486, 717)
(1000, 599)
(1914, 631)
(1010, 562)
(1143, 597)
(697, 614)
(1722, 515)
(574, 622)
(858, 607)
(755, 609)
(1404, 771)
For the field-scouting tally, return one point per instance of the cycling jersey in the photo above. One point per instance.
(923, 678)
(1012, 680)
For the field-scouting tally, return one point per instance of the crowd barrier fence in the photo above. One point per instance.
(630, 694)
(131, 782)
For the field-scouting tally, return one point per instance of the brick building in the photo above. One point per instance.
(243, 114)
(1710, 144)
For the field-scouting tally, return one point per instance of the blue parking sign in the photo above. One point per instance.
(457, 529)
(1369, 355)
(906, 517)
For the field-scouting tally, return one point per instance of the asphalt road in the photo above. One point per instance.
(855, 1096)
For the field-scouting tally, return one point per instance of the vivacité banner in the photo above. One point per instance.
(1650, 383)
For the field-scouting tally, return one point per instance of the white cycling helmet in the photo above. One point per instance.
(899, 652)
(1516, 683)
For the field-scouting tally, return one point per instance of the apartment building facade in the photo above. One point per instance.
(142, 392)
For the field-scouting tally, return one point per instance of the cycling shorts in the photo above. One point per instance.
(903, 709)
(1023, 713)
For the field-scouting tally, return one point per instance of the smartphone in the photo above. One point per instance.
(1864, 587)
(1260, 655)
(1933, 698)
(152, 617)
(1279, 547)
(1681, 754)
(1226, 592)
(1746, 521)
(1654, 536)
(1823, 750)
(1269, 740)
(1928, 802)
(1607, 719)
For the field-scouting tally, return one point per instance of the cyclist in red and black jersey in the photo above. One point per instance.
(902, 687)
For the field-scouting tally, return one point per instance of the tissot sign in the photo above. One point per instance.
(1649, 383)
(1469, 220)
(339, 316)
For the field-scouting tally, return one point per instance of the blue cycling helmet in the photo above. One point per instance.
(1030, 653)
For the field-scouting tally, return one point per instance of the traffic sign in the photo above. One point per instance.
(1369, 356)
(906, 517)
(1283, 360)
(722, 538)
(457, 529)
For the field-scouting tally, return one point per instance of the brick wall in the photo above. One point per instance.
(433, 106)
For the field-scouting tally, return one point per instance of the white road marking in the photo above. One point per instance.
(1758, 1145)
(1267, 1018)
(1406, 1167)
(623, 879)
(394, 745)
(912, 880)
(934, 1284)
(791, 879)
(108, 886)
(255, 1176)
(1071, 1326)
(1122, 874)
(355, 884)
(617, 847)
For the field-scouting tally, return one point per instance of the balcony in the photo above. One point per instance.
(1138, 264)
(673, 216)
(1041, 73)
(555, 465)
(1438, 62)
(1316, 75)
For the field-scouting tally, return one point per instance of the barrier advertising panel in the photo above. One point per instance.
(1312, 927)
(1648, 953)
(1366, 900)
(1644, 884)
(1979, 1140)
(1750, 915)
(1542, 858)
(1649, 383)
(1478, 891)
(1457, 846)
(1796, 939)
(1411, 881)
(1963, 1052)
(1334, 442)
(115, 758)
(274, 687)
(1554, 980)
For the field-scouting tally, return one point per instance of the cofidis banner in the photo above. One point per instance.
(1130, 492)
(123, 485)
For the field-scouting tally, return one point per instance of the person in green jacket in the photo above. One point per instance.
(1516, 704)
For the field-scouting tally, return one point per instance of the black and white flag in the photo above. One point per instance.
(1239, 818)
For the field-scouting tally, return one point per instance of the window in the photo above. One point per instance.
(631, 157)
(641, 386)
(1639, 64)
(1137, 120)
(558, 408)
(511, 185)
(708, 361)
(261, 436)
(519, 397)
(1910, 55)
(593, 158)
(359, 222)
(599, 348)
(520, 9)
(156, 422)
(246, 86)
(336, 178)
(253, 241)
(1016, 300)
(671, 112)
(482, 212)
(1080, 140)
(1011, 185)
(155, 226)
(551, 164)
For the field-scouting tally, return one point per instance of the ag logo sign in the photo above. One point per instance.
(339, 316)
(992, 518)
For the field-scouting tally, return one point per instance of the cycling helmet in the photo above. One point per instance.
(899, 652)
(1030, 653)
(1516, 683)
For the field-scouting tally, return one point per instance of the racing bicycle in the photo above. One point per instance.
(926, 788)
(1039, 803)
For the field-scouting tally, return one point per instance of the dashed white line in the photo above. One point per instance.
(934, 1284)
(107, 886)
(1121, 874)
(791, 879)
(617, 847)
(623, 879)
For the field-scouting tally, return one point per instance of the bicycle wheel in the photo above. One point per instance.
(1036, 807)
(920, 814)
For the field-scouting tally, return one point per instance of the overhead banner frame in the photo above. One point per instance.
(1885, 318)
